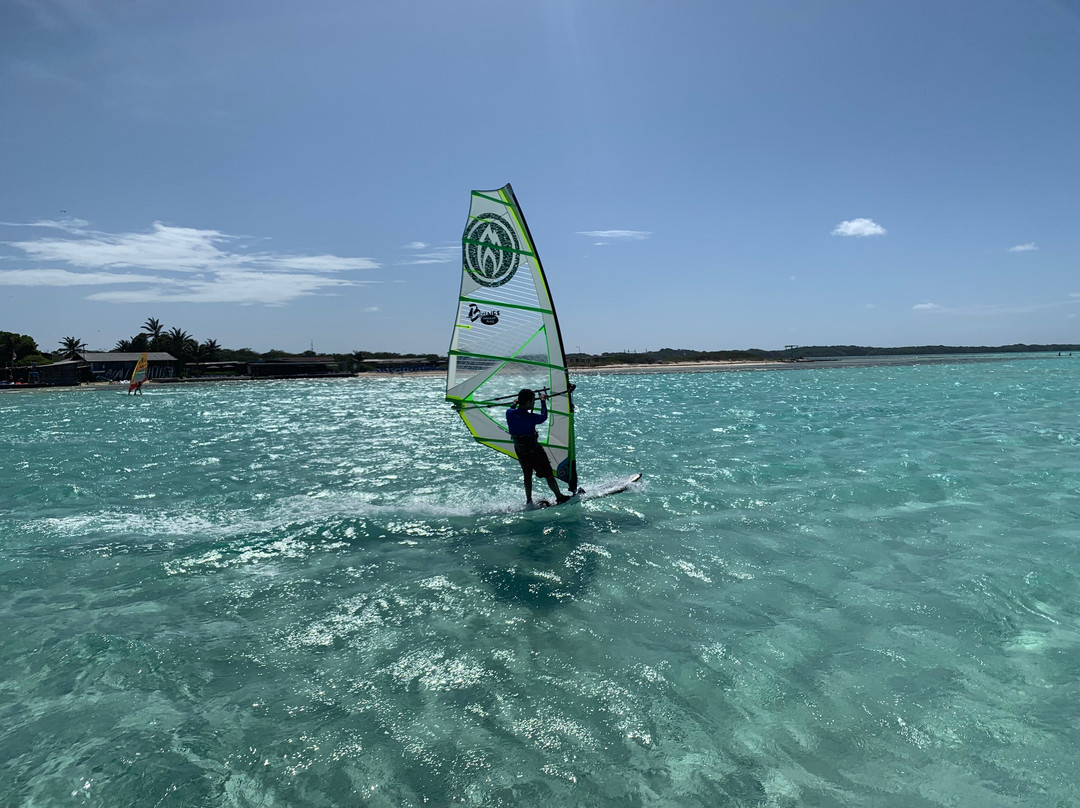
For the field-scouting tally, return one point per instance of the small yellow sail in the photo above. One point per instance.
(139, 376)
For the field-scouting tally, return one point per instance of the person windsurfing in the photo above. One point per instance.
(522, 422)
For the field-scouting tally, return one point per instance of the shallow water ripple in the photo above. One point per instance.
(834, 587)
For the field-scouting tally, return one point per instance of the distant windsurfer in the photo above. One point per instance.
(522, 422)
(138, 376)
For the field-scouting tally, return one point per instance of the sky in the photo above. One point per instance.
(703, 174)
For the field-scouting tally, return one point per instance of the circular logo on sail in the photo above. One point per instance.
(488, 250)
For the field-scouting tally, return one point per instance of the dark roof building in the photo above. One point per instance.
(64, 372)
(68, 372)
(115, 365)
(411, 364)
(289, 367)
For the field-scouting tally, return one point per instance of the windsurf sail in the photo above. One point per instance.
(506, 336)
(139, 375)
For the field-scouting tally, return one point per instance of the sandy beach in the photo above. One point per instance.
(721, 366)
(602, 370)
(682, 367)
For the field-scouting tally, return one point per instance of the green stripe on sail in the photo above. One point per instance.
(514, 358)
(496, 247)
(493, 404)
(507, 359)
(492, 199)
(511, 440)
(505, 305)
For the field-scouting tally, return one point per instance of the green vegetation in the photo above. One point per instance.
(826, 351)
(21, 350)
(665, 356)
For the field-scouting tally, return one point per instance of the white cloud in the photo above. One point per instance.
(317, 263)
(1029, 247)
(992, 309)
(62, 277)
(617, 235)
(175, 249)
(68, 224)
(859, 227)
(176, 264)
(267, 288)
(415, 245)
(436, 255)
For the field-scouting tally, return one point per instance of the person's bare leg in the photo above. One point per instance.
(554, 486)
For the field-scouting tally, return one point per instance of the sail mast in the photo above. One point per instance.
(570, 475)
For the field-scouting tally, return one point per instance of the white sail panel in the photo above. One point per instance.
(506, 335)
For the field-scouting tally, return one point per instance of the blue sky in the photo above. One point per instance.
(710, 175)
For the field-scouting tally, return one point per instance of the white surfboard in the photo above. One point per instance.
(594, 492)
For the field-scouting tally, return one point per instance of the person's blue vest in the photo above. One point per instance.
(522, 423)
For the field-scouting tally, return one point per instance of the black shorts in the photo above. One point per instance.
(532, 457)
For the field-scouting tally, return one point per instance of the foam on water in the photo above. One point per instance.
(837, 587)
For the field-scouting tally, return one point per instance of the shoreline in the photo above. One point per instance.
(705, 366)
(606, 370)
(735, 365)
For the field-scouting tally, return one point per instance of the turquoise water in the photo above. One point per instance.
(835, 587)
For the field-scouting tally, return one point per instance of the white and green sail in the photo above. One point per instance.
(507, 335)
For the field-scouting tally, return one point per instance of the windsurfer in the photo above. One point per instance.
(522, 422)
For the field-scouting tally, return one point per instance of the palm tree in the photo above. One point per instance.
(71, 346)
(153, 330)
(180, 343)
(123, 346)
(211, 350)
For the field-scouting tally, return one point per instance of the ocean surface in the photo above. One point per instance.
(834, 587)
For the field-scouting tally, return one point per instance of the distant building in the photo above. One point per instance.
(284, 367)
(116, 366)
(405, 365)
(233, 369)
(68, 372)
(291, 367)
(65, 372)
